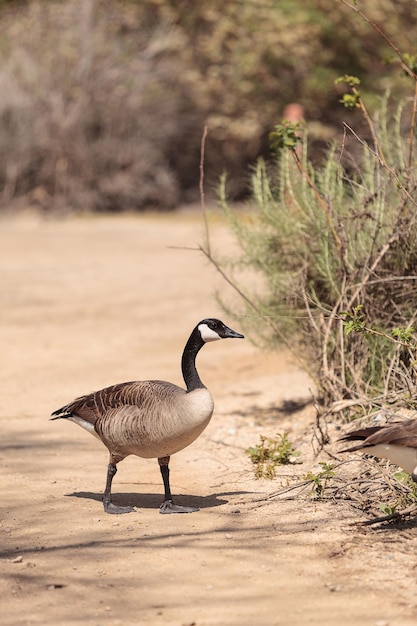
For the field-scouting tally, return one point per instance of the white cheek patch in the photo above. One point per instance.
(207, 334)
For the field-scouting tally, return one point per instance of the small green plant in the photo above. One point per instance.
(271, 452)
(355, 320)
(410, 495)
(406, 495)
(350, 100)
(388, 509)
(286, 135)
(321, 479)
(404, 335)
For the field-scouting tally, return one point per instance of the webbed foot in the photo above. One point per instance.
(109, 507)
(169, 507)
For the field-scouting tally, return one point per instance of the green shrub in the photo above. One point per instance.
(334, 250)
(270, 453)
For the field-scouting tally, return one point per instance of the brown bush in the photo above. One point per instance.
(103, 102)
(88, 117)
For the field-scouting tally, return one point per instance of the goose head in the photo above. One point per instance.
(212, 329)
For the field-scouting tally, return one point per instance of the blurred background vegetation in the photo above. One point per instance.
(103, 102)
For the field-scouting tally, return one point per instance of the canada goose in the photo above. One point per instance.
(151, 418)
(396, 442)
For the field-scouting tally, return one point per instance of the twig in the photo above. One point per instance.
(201, 187)
(397, 515)
(332, 317)
(371, 270)
(383, 163)
(324, 435)
(412, 129)
(245, 297)
(281, 492)
(406, 67)
(327, 211)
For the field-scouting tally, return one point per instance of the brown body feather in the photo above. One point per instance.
(396, 442)
(150, 419)
(402, 433)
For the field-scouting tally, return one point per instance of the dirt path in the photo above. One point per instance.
(89, 302)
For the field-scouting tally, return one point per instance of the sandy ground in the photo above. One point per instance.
(85, 303)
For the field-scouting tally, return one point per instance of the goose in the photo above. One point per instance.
(396, 442)
(151, 418)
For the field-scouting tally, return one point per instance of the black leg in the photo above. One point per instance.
(168, 506)
(165, 477)
(109, 507)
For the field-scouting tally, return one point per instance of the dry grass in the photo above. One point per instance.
(90, 109)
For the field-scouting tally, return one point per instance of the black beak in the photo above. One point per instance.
(232, 334)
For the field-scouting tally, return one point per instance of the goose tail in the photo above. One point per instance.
(62, 413)
(359, 435)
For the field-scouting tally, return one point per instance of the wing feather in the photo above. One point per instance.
(401, 433)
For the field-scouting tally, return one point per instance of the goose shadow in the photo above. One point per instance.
(153, 500)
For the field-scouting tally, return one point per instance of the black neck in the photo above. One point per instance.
(189, 370)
